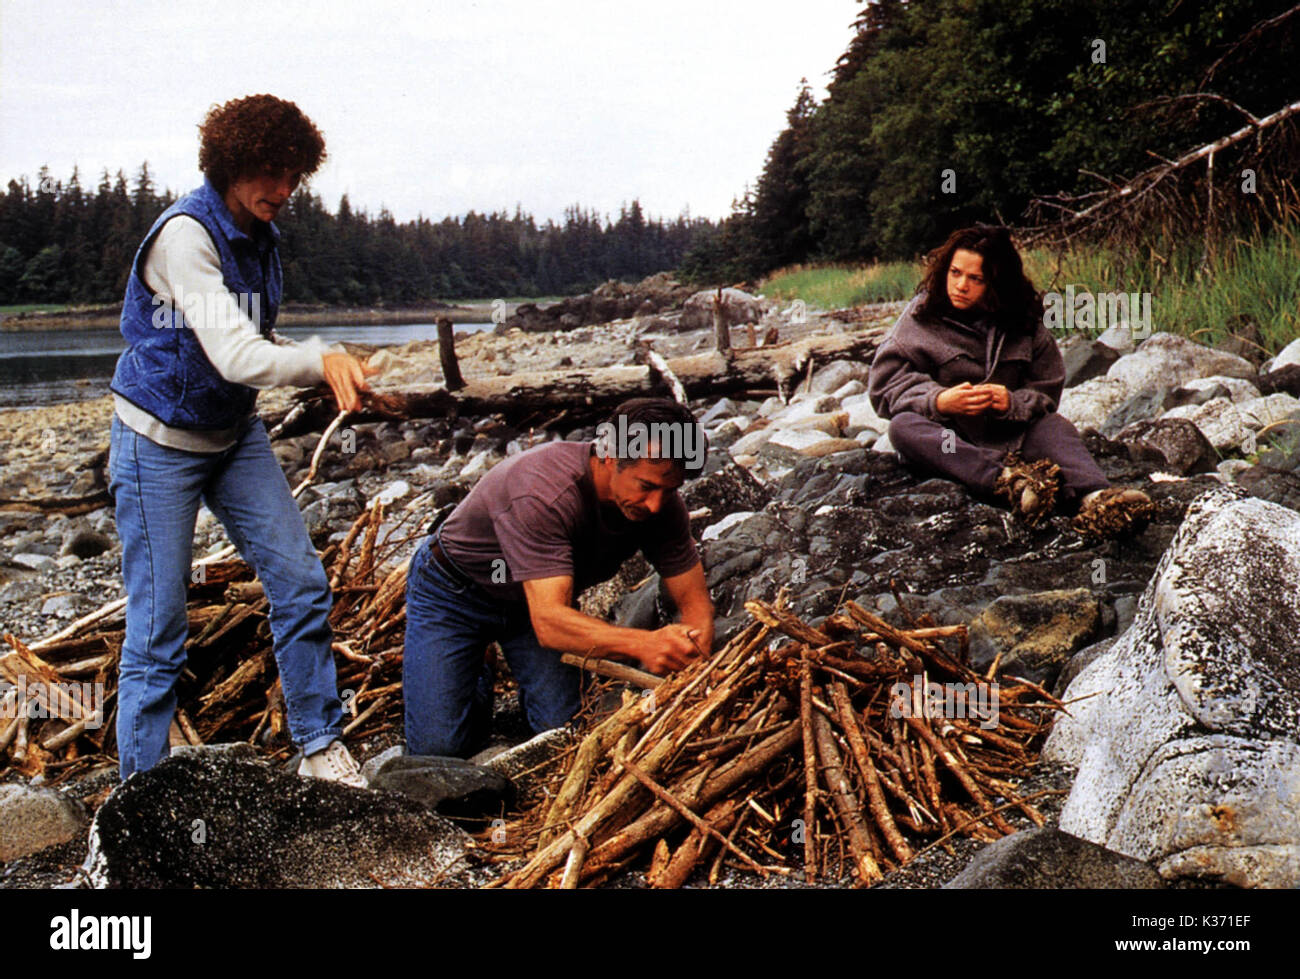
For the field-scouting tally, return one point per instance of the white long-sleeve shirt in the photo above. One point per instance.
(184, 262)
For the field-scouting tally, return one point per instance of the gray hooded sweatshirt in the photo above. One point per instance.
(919, 358)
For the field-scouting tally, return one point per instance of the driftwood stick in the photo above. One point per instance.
(875, 795)
(573, 865)
(365, 715)
(550, 856)
(659, 819)
(320, 451)
(20, 737)
(846, 802)
(9, 717)
(609, 668)
(950, 760)
(594, 747)
(809, 771)
(187, 727)
(660, 366)
(66, 736)
(451, 378)
(696, 846)
(667, 797)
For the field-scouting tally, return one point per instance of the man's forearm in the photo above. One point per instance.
(570, 631)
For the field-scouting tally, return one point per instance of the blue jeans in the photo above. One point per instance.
(446, 686)
(156, 491)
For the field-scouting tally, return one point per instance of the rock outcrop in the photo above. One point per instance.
(1185, 730)
(220, 818)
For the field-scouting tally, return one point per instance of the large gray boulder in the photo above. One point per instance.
(219, 819)
(32, 819)
(1184, 731)
(1176, 445)
(1136, 385)
(737, 306)
(450, 786)
(1035, 635)
(1048, 858)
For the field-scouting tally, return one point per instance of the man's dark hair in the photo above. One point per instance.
(662, 420)
(255, 135)
(1008, 293)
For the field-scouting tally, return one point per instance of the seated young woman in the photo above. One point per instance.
(970, 379)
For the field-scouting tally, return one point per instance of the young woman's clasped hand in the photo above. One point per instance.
(973, 399)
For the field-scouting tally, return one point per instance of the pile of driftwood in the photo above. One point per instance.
(58, 701)
(791, 745)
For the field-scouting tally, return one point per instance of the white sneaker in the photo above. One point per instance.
(334, 764)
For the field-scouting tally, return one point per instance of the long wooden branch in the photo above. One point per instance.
(1147, 180)
(585, 394)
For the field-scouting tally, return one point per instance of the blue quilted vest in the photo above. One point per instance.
(164, 369)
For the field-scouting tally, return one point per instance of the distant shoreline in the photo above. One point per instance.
(294, 314)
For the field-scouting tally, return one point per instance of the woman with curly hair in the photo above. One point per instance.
(201, 302)
(970, 379)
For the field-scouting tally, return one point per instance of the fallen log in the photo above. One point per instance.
(587, 394)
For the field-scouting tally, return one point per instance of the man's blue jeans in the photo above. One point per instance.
(446, 688)
(156, 491)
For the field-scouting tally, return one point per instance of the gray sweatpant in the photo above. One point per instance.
(938, 449)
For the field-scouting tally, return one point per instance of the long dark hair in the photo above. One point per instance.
(1008, 293)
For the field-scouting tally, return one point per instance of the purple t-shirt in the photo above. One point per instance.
(536, 515)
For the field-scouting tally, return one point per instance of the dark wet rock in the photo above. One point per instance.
(1184, 730)
(1034, 634)
(1286, 380)
(321, 516)
(1280, 449)
(1048, 858)
(1180, 397)
(851, 524)
(1085, 359)
(86, 543)
(639, 607)
(610, 301)
(521, 762)
(1282, 488)
(32, 819)
(449, 786)
(1173, 445)
(218, 820)
(729, 490)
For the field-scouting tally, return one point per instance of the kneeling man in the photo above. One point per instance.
(509, 561)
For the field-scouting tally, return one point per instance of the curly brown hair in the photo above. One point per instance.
(1010, 295)
(254, 135)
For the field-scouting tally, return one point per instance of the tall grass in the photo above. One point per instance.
(838, 286)
(1244, 281)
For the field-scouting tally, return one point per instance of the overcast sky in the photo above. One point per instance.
(427, 107)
